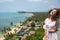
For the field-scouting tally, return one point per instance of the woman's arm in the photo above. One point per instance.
(52, 30)
(45, 34)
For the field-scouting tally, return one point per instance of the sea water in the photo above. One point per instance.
(7, 17)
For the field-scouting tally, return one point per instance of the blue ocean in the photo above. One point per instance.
(7, 17)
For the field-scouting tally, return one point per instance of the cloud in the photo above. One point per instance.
(54, 6)
(45, 1)
(34, 0)
(7, 0)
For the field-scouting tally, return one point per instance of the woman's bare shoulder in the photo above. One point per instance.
(46, 19)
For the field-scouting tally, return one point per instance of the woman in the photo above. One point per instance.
(51, 25)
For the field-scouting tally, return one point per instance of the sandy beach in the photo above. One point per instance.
(1, 37)
(12, 31)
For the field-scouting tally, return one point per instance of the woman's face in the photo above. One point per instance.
(53, 12)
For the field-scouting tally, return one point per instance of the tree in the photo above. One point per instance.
(15, 30)
(9, 29)
(11, 23)
(11, 37)
(32, 24)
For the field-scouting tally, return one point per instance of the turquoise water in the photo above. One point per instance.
(7, 17)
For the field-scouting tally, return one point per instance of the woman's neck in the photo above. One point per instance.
(53, 20)
(50, 19)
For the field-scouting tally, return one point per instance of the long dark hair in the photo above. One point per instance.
(55, 16)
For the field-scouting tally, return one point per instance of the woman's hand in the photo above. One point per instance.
(52, 30)
(45, 37)
(45, 34)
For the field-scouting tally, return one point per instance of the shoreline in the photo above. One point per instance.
(13, 27)
(12, 31)
(31, 14)
(12, 17)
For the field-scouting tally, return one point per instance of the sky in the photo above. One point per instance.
(28, 5)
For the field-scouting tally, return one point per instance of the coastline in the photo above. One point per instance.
(12, 29)
(7, 17)
(32, 18)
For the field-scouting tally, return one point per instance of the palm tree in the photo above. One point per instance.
(32, 25)
(11, 23)
(4, 30)
(9, 29)
(15, 30)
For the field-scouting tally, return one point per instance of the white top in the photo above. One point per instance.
(50, 24)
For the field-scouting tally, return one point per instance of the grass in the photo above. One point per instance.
(11, 37)
(37, 36)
